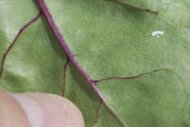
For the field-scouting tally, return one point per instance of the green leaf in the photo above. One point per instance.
(32, 62)
(116, 72)
(13, 15)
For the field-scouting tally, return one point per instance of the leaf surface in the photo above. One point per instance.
(140, 80)
(12, 19)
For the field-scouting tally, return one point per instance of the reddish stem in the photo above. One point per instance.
(66, 48)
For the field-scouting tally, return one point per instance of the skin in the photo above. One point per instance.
(38, 110)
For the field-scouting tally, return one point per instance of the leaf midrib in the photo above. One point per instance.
(71, 57)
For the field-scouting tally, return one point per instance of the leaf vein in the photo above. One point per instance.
(129, 77)
(5, 54)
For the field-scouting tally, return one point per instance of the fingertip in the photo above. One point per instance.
(11, 114)
(39, 110)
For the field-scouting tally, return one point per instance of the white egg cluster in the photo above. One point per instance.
(157, 33)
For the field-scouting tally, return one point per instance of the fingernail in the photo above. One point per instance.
(31, 108)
